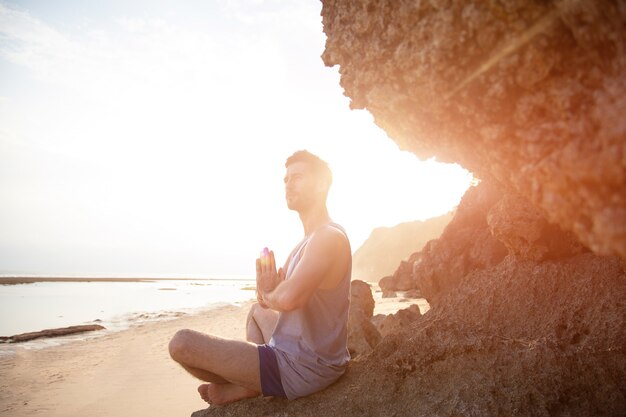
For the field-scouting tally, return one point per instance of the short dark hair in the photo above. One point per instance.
(319, 166)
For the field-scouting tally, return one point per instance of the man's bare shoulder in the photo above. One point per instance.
(330, 234)
(331, 241)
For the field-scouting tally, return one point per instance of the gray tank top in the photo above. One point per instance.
(311, 342)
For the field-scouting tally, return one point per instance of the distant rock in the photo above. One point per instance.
(64, 331)
(383, 250)
(389, 294)
(413, 294)
(386, 283)
(402, 279)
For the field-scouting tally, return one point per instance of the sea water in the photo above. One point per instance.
(114, 305)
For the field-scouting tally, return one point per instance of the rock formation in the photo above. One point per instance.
(465, 245)
(393, 323)
(62, 331)
(527, 284)
(362, 334)
(529, 93)
(383, 250)
(520, 337)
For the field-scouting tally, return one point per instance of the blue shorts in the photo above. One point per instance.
(270, 374)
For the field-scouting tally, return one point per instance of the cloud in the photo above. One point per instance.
(28, 42)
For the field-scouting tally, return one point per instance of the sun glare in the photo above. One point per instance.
(114, 160)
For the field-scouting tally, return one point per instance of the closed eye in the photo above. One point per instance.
(293, 177)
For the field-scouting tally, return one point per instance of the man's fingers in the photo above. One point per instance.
(265, 259)
(272, 262)
(258, 267)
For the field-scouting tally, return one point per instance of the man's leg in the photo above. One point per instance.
(260, 324)
(232, 365)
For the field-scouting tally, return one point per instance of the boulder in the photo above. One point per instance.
(401, 280)
(386, 283)
(57, 332)
(362, 334)
(389, 294)
(361, 298)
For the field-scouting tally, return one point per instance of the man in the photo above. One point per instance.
(297, 332)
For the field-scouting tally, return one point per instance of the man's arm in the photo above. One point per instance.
(324, 263)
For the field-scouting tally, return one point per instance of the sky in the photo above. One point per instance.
(148, 138)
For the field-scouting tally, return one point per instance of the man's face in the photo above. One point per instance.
(301, 187)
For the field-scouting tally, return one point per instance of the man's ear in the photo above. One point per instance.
(320, 185)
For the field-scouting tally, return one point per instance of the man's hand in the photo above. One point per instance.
(267, 278)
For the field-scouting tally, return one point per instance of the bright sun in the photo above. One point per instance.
(112, 162)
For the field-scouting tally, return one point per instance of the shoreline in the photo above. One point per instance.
(133, 321)
(9, 280)
(126, 372)
(115, 303)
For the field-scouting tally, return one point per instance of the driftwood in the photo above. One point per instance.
(64, 331)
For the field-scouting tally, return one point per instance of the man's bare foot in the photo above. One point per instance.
(221, 394)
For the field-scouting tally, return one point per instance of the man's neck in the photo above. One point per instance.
(314, 218)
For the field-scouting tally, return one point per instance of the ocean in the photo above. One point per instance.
(114, 305)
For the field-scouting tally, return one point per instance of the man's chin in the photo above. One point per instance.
(293, 205)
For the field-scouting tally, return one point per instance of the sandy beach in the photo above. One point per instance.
(128, 373)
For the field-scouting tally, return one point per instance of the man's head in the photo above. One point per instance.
(307, 180)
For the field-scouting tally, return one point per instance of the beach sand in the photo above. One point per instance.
(128, 373)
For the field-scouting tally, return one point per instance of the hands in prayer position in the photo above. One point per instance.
(267, 277)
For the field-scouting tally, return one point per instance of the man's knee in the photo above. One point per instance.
(257, 315)
(253, 309)
(179, 345)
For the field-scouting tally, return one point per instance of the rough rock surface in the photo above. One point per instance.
(361, 298)
(490, 223)
(520, 338)
(362, 334)
(465, 245)
(529, 93)
(402, 278)
(393, 323)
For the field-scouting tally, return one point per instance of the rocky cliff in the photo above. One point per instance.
(527, 284)
(529, 93)
(383, 250)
